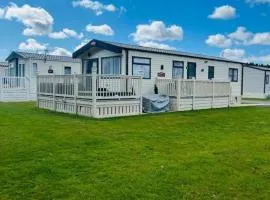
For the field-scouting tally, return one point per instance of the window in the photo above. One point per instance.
(191, 70)
(12, 69)
(111, 65)
(233, 75)
(178, 69)
(211, 72)
(141, 67)
(34, 69)
(20, 72)
(67, 71)
(267, 79)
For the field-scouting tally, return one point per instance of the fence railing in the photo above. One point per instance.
(192, 93)
(193, 87)
(91, 95)
(90, 86)
(10, 82)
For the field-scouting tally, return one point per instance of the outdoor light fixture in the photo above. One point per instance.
(161, 67)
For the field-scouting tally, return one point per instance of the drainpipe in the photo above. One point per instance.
(264, 88)
(242, 80)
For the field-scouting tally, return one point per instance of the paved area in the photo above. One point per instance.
(256, 102)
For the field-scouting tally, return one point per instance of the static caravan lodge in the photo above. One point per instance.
(3, 68)
(255, 82)
(19, 81)
(150, 63)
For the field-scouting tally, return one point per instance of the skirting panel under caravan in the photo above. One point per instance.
(104, 109)
(198, 104)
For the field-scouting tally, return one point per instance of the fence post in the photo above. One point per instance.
(75, 82)
(27, 86)
(229, 95)
(194, 93)
(54, 100)
(213, 93)
(141, 99)
(178, 93)
(94, 91)
(37, 89)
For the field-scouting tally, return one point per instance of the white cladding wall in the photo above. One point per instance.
(267, 87)
(2, 71)
(221, 69)
(253, 84)
(58, 67)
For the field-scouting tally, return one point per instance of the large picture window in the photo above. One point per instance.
(111, 65)
(233, 75)
(141, 67)
(178, 69)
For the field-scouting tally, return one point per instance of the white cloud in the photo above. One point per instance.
(240, 55)
(102, 29)
(261, 39)
(66, 33)
(253, 2)
(58, 35)
(96, 6)
(259, 59)
(58, 51)
(219, 40)
(223, 12)
(241, 35)
(2, 12)
(157, 31)
(156, 45)
(233, 54)
(84, 42)
(32, 45)
(37, 20)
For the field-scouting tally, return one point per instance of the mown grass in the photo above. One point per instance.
(213, 154)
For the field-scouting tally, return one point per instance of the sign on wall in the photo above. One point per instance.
(161, 74)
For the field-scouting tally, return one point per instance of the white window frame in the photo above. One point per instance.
(141, 61)
(115, 70)
(232, 76)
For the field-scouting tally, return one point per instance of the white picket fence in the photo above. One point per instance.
(14, 88)
(97, 96)
(195, 94)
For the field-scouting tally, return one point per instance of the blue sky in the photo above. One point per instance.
(202, 26)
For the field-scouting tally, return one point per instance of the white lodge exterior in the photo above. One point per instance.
(256, 81)
(116, 58)
(19, 81)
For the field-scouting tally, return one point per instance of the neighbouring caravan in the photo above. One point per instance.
(3, 68)
(123, 59)
(19, 81)
(255, 82)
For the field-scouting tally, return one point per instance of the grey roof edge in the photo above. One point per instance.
(153, 50)
(3, 64)
(257, 67)
(37, 56)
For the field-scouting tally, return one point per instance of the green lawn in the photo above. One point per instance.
(218, 154)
